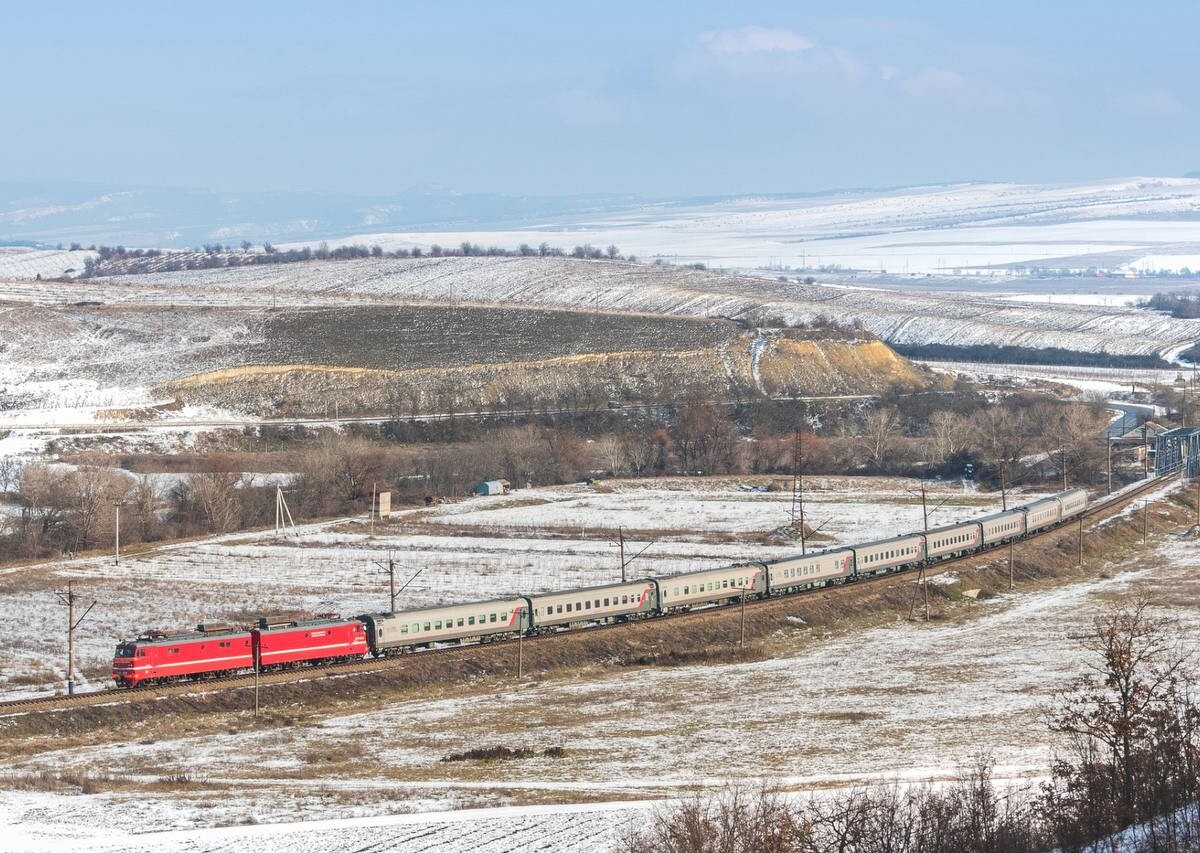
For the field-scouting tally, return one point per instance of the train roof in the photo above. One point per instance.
(845, 549)
(994, 515)
(201, 632)
(405, 613)
(265, 624)
(901, 538)
(942, 528)
(598, 588)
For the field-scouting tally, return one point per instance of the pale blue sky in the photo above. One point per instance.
(677, 98)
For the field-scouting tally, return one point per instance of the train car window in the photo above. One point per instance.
(597, 602)
(460, 621)
(560, 608)
(587, 605)
(403, 629)
(624, 599)
(492, 617)
(606, 602)
(428, 627)
(437, 626)
(568, 607)
(470, 620)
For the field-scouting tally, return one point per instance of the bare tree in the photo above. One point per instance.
(881, 428)
(1131, 725)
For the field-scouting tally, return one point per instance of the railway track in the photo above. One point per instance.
(145, 695)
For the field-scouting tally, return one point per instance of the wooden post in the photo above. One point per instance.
(1081, 540)
(1064, 469)
(1003, 491)
(117, 534)
(256, 687)
(742, 640)
(1010, 565)
(1109, 466)
(1145, 519)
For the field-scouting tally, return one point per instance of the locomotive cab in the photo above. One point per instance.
(124, 666)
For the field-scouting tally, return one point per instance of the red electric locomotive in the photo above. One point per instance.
(157, 656)
(324, 639)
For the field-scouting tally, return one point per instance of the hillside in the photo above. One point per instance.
(895, 317)
(395, 358)
(732, 369)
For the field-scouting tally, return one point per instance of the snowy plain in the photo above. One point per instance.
(904, 702)
(531, 541)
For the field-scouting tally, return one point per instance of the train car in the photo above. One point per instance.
(887, 554)
(952, 539)
(309, 641)
(695, 588)
(795, 573)
(598, 603)
(1002, 526)
(157, 656)
(389, 632)
(1041, 513)
(1073, 502)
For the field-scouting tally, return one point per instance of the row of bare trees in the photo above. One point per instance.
(1128, 776)
(67, 508)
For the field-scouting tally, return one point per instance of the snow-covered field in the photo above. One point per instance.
(905, 702)
(903, 317)
(47, 263)
(531, 541)
(985, 229)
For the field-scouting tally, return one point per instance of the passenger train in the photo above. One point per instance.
(213, 650)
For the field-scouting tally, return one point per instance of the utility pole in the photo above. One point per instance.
(372, 522)
(1003, 489)
(1109, 442)
(1145, 519)
(390, 571)
(1064, 468)
(69, 598)
(256, 668)
(1145, 452)
(117, 534)
(1081, 540)
(923, 582)
(283, 515)
(742, 640)
(798, 487)
(1010, 565)
(620, 543)
(520, 643)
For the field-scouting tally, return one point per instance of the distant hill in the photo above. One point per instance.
(176, 217)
